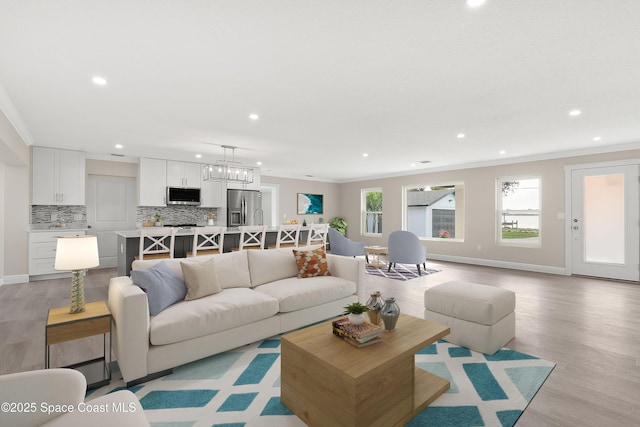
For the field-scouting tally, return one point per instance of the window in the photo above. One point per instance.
(372, 211)
(519, 211)
(435, 211)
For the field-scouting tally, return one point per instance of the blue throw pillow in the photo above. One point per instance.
(162, 286)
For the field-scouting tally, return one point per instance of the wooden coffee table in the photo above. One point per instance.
(326, 381)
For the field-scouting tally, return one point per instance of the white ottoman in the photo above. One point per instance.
(481, 317)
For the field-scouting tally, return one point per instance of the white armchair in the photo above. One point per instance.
(55, 397)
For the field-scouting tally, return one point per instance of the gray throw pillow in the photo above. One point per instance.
(162, 286)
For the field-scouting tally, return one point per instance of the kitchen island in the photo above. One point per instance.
(129, 244)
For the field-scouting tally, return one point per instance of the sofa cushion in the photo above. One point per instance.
(294, 294)
(201, 279)
(311, 263)
(271, 265)
(232, 267)
(227, 309)
(162, 286)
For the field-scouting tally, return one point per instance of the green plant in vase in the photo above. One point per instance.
(339, 224)
(356, 312)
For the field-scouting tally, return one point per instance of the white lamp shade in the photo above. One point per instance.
(77, 253)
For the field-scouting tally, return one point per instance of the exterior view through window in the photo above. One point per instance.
(372, 211)
(519, 211)
(436, 211)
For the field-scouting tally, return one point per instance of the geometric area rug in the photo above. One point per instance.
(241, 387)
(400, 271)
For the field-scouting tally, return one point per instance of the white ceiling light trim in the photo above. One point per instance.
(100, 81)
(254, 116)
(575, 113)
(475, 3)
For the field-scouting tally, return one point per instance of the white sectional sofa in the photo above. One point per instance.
(261, 297)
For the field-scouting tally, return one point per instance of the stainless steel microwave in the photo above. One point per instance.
(183, 196)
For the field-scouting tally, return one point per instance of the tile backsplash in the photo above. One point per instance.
(176, 214)
(50, 214)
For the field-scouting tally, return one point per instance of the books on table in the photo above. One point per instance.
(361, 335)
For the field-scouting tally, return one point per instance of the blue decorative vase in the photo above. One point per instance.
(390, 313)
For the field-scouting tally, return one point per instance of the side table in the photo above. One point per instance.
(375, 252)
(63, 326)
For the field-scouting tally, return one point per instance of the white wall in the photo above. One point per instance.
(14, 204)
(288, 194)
(479, 243)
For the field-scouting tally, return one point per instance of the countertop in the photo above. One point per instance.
(72, 226)
(188, 231)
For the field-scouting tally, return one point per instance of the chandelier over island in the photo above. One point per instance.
(228, 170)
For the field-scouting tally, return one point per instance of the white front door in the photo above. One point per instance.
(604, 221)
(111, 207)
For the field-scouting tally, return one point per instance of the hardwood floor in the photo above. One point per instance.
(590, 328)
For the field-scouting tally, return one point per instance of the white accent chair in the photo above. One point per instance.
(251, 237)
(317, 234)
(288, 236)
(207, 241)
(61, 386)
(156, 242)
(405, 248)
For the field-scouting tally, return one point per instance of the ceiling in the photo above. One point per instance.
(330, 81)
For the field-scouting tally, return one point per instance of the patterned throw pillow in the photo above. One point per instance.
(311, 263)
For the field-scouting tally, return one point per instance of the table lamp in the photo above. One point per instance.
(77, 253)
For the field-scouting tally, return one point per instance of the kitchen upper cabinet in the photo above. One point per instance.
(211, 194)
(255, 185)
(152, 182)
(183, 174)
(58, 177)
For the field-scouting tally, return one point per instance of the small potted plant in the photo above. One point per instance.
(356, 313)
(158, 218)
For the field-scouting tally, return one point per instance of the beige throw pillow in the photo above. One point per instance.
(201, 279)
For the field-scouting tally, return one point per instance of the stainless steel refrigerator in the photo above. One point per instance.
(244, 207)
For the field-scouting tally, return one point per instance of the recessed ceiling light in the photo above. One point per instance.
(597, 138)
(413, 165)
(259, 163)
(575, 113)
(460, 135)
(198, 156)
(101, 81)
(502, 152)
(365, 155)
(475, 3)
(118, 146)
(254, 116)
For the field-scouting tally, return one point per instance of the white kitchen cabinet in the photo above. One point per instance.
(212, 193)
(58, 177)
(152, 182)
(255, 185)
(183, 174)
(42, 250)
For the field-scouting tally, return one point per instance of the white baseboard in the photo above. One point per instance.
(19, 278)
(500, 264)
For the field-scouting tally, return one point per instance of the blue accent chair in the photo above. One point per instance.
(340, 245)
(405, 247)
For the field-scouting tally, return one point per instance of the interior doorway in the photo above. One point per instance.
(603, 216)
(270, 205)
(111, 207)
